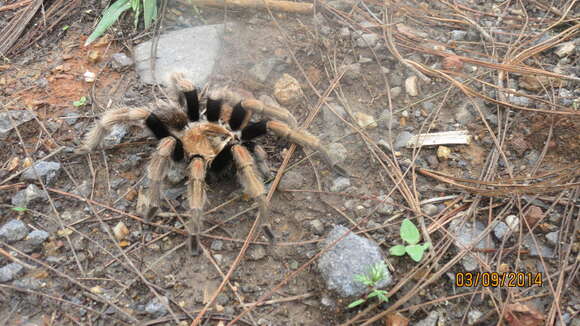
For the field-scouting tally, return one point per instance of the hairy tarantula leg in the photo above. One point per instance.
(197, 198)
(110, 118)
(299, 137)
(186, 94)
(253, 186)
(156, 172)
(254, 106)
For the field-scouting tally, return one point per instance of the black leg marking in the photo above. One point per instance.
(255, 129)
(223, 159)
(237, 117)
(178, 153)
(158, 128)
(213, 110)
(192, 102)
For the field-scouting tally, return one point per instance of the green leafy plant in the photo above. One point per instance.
(82, 101)
(375, 275)
(114, 11)
(410, 234)
(19, 209)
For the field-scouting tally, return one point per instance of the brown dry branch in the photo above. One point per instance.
(560, 180)
(13, 30)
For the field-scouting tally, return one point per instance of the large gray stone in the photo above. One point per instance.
(192, 51)
(353, 255)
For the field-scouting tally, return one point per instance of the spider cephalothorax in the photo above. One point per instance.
(208, 140)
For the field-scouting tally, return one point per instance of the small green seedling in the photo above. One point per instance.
(375, 275)
(114, 11)
(19, 209)
(410, 234)
(82, 101)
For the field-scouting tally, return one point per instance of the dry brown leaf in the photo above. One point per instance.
(518, 314)
(533, 215)
(452, 63)
(396, 319)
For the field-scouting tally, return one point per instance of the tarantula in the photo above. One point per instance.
(206, 141)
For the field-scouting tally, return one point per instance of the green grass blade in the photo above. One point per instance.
(149, 11)
(356, 303)
(110, 16)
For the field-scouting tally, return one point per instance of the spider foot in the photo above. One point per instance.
(193, 245)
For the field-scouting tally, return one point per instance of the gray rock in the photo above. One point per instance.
(367, 40)
(71, 118)
(217, 245)
(332, 123)
(116, 135)
(431, 320)
(26, 196)
(473, 316)
(121, 60)
(467, 232)
(337, 152)
(317, 226)
(37, 237)
(351, 256)
(17, 117)
(518, 100)
(351, 71)
(340, 184)
(465, 235)
(552, 238)
(257, 253)
(458, 35)
(10, 272)
(28, 283)
(292, 180)
(174, 193)
(262, 69)
(156, 307)
(395, 92)
(386, 206)
(84, 189)
(500, 229)
(566, 96)
(13, 231)
(192, 51)
(48, 171)
(541, 250)
(463, 115)
(402, 139)
(430, 209)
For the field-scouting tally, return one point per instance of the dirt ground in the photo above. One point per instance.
(83, 276)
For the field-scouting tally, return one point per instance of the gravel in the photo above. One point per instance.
(11, 119)
(26, 196)
(351, 256)
(48, 171)
(157, 307)
(340, 184)
(10, 272)
(13, 231)
(292, 180)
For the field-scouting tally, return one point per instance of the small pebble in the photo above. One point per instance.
(10, 272)
(411, 86)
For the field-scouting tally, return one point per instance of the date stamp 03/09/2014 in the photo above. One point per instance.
(495, 279)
